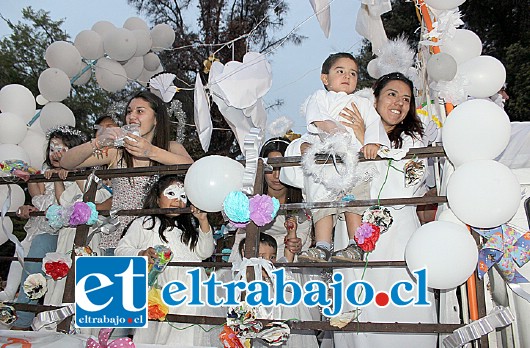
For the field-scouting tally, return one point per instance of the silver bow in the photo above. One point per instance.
(252, 145)
(47, 319)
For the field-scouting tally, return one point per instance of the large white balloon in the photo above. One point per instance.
(12, 128)
(135, 23)
(103, 28)
(483, 193)
(446, 250)
(120, 44)
(134, 67)
(485, 76)
(163, 37)
(372, 69)
(63, 55)
(89, 44)
(475, 129)
(56, 114)
(463, 46)
(8, 226)
(17, 196)
(19, 100)
(35, 145)
(146, 75)
(444, 4)
(151, 61)
(207, 187)
(110, 75)
(54, 84)
(85, 76)
(441, 67)
(13, 152)
(143, 42)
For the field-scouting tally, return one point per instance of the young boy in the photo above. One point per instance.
(331, 111)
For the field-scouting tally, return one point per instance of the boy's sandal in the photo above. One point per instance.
(314, 255)
(351, 253)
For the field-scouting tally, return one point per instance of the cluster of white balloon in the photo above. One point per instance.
(481, 192)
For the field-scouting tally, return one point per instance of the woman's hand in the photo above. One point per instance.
(138, 146)
(63, 173)
(354, 121)
(24, 210)
(150, 253)
(370, 150)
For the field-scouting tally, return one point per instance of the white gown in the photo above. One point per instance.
(138, 238)
(391, 246)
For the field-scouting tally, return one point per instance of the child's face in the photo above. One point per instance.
(267, 252)
(173, 196)
(57, 149)
(342, 76)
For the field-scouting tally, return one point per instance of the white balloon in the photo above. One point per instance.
(463, 46)
(135, 23)
(103, 28)
(12, 128)
(110, 75)
(441, 67)
(41, 100)
(63, 55)
(485, 76)
(56, 114)
(372, 69)
(85, 76)
(54, 84)
(89, 44)
(444, 4)
(207, 188)
(475, 129)
(163, 37)
(446, 250)
(17, 196)
(35, 146)
(143, 42)
(13, 152)
(19, 100)
(120, 44)
(448, 215)
(483, 193)
(134, 67)
(144, 77)
(8, 226)
(151, 61)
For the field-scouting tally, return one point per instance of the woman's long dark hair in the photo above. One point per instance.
(161, 133)
(189, 235)
(279, 144)
(411, 125)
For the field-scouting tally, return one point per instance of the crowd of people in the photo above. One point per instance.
(388, 120)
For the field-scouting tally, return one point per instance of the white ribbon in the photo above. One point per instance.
(19, 249)
(498, 317)
(251, 147)
(47, 319)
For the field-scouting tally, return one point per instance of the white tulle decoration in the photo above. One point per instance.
(367, 93)
(453, 91)
(396, 56)
(444, 28)
(279, 127)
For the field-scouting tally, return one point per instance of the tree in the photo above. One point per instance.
(22, 61)
(218, 22)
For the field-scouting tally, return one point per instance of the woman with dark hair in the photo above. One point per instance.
(151, 147)
(292, 232)
(395, 103)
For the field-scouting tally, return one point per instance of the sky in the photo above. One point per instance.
(295, 69)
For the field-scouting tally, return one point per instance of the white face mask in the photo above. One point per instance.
(176, 191)
(56, 147)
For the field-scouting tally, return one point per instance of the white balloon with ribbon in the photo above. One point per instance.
(63, 55)
(485, 76)
(446, 250)
(89, 44)
(120, 44)
(163, 37)
(18, 100)
(54, 84)
(463, 46)
(13, 128)
(55, 114)
(110, 75)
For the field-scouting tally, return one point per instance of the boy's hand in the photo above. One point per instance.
(150, 253)
(370, 150)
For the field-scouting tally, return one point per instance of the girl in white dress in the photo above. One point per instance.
(176, 232)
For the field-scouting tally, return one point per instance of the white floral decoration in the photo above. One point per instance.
(396, 56)
(279, 127)
(444, 28)
(345, 174)
(453, 91)
(35, 286)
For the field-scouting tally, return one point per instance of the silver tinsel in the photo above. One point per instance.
(178, 116)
